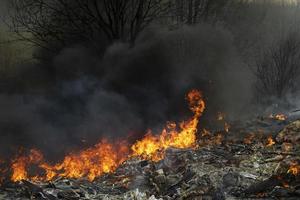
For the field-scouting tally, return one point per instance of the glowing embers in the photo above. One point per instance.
(209, 139)
(279, 117)
(270, 141)
(294, 168)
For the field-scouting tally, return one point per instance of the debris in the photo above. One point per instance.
(235, 168)
(290, 133)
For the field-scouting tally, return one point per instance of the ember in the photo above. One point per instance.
(270, 141)
(294, 168)
(279, 117)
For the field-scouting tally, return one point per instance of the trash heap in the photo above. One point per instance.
(256, 159)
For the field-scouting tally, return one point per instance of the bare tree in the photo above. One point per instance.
(194, 11)
(44, 22)
(7, 58)
(277, 71)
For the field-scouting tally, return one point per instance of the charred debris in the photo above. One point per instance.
(257, 159)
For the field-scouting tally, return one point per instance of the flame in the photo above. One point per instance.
(154, 147)
(270, 141)
(294, 168)
(279, 117)
(209, 139)
(226, 127)
(91, 163)
(105, 157)
(20, 164)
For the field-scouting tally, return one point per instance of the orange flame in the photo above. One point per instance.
(279, 117)
(20, 164)
(270, 141)
(105, 157)
(294, 168)
(153, 147)
(90, 163)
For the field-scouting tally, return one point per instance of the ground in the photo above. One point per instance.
(254, 159)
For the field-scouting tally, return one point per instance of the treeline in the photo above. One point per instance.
(264, 32)
(54, 24)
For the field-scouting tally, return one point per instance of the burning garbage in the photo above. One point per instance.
(105, 157)
(180, 162)
(93, 92)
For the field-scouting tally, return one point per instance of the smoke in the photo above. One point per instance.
(127, 90)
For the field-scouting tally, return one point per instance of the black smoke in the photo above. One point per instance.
(124, 91)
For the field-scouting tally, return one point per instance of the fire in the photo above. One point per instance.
(209, 140)
(93, 162)
(294, 168)
(20, 164)
(90, 163)
(154, 147)
(270, 141)
(279, 117)
(226, 127)
(105, 157)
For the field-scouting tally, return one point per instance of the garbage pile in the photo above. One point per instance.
(257, 159)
